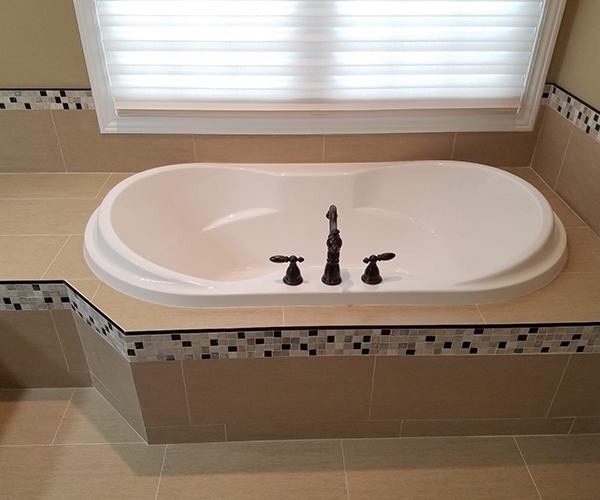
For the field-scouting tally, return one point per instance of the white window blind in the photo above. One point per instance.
(277, 55)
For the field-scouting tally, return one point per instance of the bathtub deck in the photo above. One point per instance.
(41, 237)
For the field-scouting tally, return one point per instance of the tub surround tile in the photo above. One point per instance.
(31, 416)
(259, 148)
(579, 180)
(51, 185)
(112, 181)
(129, 472)
(334, 389)
(436, 469)
(461, 387)
(187, 434)
(387, 147)
(28, 143)
(28, 257)
(70, 263)
(486, 427)
(86, 288)
(586, 425)
(91, 419)
(69, 340)
(583, 251)
(571, 295)
(552, 146)
(563, 211)
(87, 150)
(529, 175)
(45, 216)
(253, 471)
(563, 466)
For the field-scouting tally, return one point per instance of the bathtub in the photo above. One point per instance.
(200, 235)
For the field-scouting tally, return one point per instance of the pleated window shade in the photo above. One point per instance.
(318, 55)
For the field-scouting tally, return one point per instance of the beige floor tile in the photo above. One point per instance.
(90, 419)
(266, 471)
(51, 185)
(133, 314)
(380, 315)
(584, 251)
(87, 288)
(113, 180)
(70, 262)
(564, 467)
(62, 216)
(565, 214)
(432, 469)
(28, 257)
(570, 297)
(31, 416)
(530, 176)
(90, 472)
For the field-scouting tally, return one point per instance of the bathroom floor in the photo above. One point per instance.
(65, 444)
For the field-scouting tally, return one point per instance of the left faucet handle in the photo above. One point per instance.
(292, 277)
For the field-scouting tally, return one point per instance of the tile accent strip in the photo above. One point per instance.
(46, 99)
(139, 347)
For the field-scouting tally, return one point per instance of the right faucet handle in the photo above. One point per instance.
(372, 276)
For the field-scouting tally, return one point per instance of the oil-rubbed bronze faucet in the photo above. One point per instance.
(331, 275)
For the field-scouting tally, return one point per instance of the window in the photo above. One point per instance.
(283, 66)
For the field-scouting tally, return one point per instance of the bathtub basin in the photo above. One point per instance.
(200, 235)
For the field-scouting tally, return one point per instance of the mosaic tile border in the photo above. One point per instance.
(46, 99)
(139, 347)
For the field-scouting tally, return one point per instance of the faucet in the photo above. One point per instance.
(331, 275)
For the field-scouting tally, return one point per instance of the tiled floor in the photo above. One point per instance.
(41, 237)
(67, 444)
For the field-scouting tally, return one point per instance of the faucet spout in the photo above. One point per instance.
(332, 216)
(332, 275)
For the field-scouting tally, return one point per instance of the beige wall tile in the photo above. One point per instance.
(563, 467)
(253, 471)
(113, 180)
(51, 185)
(459, 387)
(564, 212)
(327, 389)
(312, 430)
(529, 175)
(570, 297)
(579, 389)
(62, 216)
(586, 425)
(584, 251)
(380, 315)
(161, 392)
(579, 180)
(69, 340)
(486, 427)
(90, 419)
(259, 148)
(70, 262)
(27, 257)
(87, 150)
(114, 373)
(552, 145)
(437, 469)
(133, 314)
(31, 416)
(93, 472)
(28, 142)
(186, 434)
(30, 352)
(388, 147)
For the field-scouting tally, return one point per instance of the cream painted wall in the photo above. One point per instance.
(40, 45)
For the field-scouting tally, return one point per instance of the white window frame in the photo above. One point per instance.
(187, 121)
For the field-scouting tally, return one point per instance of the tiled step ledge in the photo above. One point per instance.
(381, 340)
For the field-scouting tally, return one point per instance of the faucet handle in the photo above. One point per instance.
(381, 256)
(292, 277)
(372, 276)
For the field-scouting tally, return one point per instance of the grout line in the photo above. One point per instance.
(51, 198)
(194, 144)
(564, 156)
(63, 417)
(187, 402)
(56, 256)
(558, 386)
(41, 234)
(71, 444)
(345, 472)
(481, 314)
(226, 437)
(401, 425)
(453, 145)
(96, 292)
(372, 387)
(105, 183)
(527, 467)
(572, 425)
(58, 140)
(283, 316)
(161, 471)
(59, 342)
(323, 150)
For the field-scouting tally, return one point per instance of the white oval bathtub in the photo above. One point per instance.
(200, 235)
